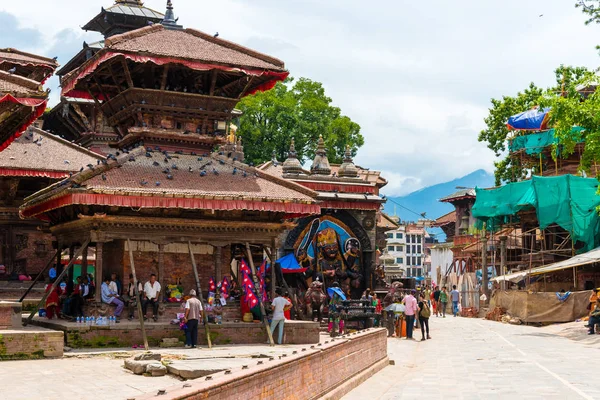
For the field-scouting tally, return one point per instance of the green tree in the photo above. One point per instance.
(300, 110)
(510, 169)
(591, 8)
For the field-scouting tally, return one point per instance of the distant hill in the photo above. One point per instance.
(427, 199)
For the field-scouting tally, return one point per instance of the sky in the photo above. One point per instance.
(417, 76)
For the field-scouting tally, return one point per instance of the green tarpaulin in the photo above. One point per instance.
(568, 201)
(534, 143)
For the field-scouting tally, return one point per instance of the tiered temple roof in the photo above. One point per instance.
(123, 16)
(22, 98)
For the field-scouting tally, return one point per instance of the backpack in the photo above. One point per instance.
(425, 312)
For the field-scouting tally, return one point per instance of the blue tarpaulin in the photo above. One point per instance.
(531, 120)
(332, 290)
(289, 264)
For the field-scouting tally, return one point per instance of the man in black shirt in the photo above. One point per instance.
(436, 298)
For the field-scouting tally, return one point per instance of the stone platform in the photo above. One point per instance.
(128, 333)
(30, 343)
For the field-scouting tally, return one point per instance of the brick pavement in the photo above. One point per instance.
(479, 359)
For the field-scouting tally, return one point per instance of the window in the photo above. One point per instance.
(418, 261)
(418, 239)
(414, 261)
(390, 248)
(389, 235)
(398, 236)
(414, 249)
(399, 260)
(399, 248)
(407, 238)
(419, 249)
(419, 272)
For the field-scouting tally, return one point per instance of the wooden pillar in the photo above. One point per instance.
(274, 255)
(218, 257)
(71, 270)
(59, 247)
(10, 250)
(84, 262)
(99, 254)
(161, 268)
(484, 270)
(503, 260)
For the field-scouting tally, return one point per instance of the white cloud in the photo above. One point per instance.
(417, 76)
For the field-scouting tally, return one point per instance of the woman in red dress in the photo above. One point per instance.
(52, 302)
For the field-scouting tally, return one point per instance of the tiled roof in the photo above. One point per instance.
(446, 219)
(461, 193)
(190, 44)
(385, 221)
(135, 174)
(38, 150)
(135, 10)
(20, 57)
(19, 86)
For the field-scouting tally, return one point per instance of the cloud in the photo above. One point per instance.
(15, 36)
(417, 76)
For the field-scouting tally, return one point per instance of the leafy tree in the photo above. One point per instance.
(299, 110)
(510, 169)
(591, 8)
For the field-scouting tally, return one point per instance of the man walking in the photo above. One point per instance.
(410, 303)
(278, 304)
(455, 297)
(436, 299)
(193, 311)
(151, 293)
(443, 301)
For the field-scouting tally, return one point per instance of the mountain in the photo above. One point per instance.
(427, 199)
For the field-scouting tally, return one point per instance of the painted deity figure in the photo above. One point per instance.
(330, 262)
(353, 270)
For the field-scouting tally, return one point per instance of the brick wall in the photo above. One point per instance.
(31, 343)
(27, 256)
(10, 314)
(310, 373)
(128, 334)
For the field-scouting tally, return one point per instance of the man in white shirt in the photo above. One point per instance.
(151, 293)
(278, 304)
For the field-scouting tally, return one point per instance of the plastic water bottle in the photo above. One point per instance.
(78, 320)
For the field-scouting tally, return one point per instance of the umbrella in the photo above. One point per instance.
(332, 290)
(289, 264)
(531, 120)
(396, 307)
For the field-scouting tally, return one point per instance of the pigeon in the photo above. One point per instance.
(166, 171)
(148, 155)
(244, 174)
(155, 163)
(132, 158)
(216, 35)
(12, 70)
(200, 158)
(103, 177)
(203, 173)
(174, 166)
(234, 171)
(234, 158)
(156, 148)
(143, 182)
(170, 177)
(90, 166)
(221, 162)
(190, 169)
(149, 149)
(541, 15)
(67, 162)
(193, 153)
(54, 58)
(220, 153)
(215, 171)
(157, 183)
(179, 152)
(166, 159)
(70, 174)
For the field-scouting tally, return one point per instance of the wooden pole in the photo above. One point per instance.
(272, 256)
(532, 235)
(259, 296)
(38, 276)
(574, 278)
(292, 295)
(503, 260)
(137, 296)
(59, 278)
(200, 296)
(484, 270)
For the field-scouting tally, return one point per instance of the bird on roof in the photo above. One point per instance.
(166, 171)
(190, 169)
(12, 70)
(103, 177)
(221, 162)
(174, 166)
(143, 182)
(157, 183)
(157, 148)
(193, 153)
(54, 58)
(179, 152)
(216, 35)
(148, 155)
(234, 171)
(90, 166)
(67, 162)
(166, 159)
(155, 163)
(200, 158)
(149, 149)
(203, 173)
(170, 177)
(131, 158)
(215, 171)
(244, 174)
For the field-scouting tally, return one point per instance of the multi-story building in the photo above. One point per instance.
(404, 255)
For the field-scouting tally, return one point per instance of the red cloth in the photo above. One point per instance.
(52, 301)
(287, 311)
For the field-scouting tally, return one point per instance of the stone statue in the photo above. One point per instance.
(315, 300)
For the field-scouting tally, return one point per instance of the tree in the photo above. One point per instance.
(298, 110)
(510, 169)
(591, 8)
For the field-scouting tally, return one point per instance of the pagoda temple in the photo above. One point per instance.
(167, 94)
(339, 244)
(22, 97)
